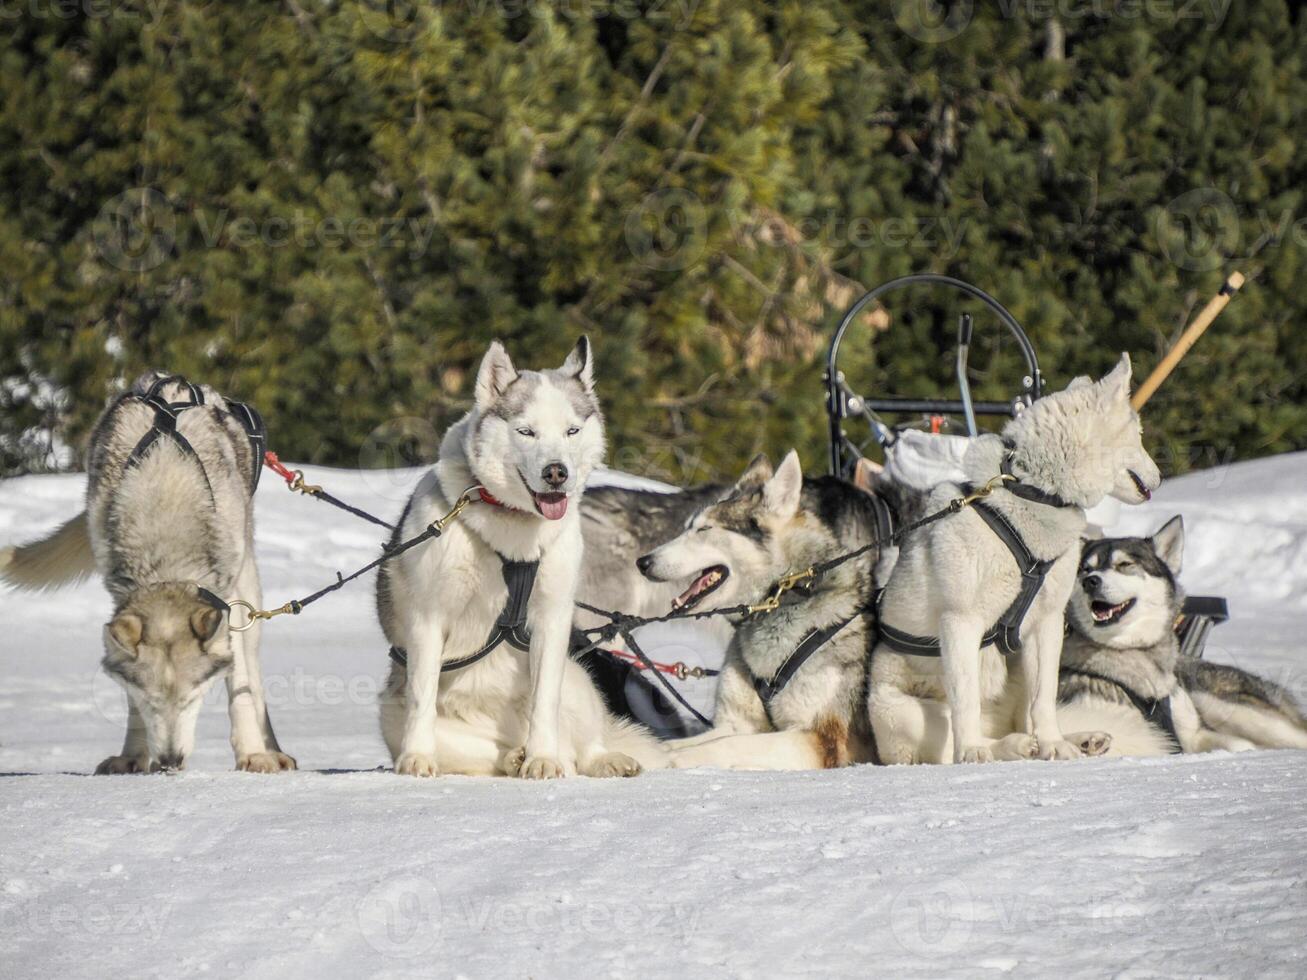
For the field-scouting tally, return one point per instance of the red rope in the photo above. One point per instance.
(678, 670)
(271, 461)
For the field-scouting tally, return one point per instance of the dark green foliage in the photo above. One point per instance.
(330, 209)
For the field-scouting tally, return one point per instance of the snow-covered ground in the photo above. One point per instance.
(1182, 866)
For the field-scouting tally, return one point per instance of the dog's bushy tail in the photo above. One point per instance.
(58, 559)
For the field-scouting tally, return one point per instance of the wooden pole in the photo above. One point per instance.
(1187, 339)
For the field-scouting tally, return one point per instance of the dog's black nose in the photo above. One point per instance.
(644, 563)
(555, 474)
(1091, 584)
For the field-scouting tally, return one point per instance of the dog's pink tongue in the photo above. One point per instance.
(552, 506)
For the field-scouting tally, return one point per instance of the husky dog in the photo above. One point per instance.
(460, 697)
(1122, 671)
(958, 581)
(619, 525)
(792, 688)
(169, 525)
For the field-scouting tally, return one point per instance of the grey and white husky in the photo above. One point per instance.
(169, 526)
(480, 619)
(792, 689)
(1122, 671)
(956, 581)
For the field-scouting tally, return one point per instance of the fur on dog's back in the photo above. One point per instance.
(166, 517)
(171, 514)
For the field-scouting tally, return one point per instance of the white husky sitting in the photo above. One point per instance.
(169, 525)
(956, 580)
(480, 619)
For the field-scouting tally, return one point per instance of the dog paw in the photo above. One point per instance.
(539, 767)
(975, 753)
(265, 762)
(613, 764)
(1093, 743)
(415, 764)
(117, 765)
(1017, 746)
(1061, 749)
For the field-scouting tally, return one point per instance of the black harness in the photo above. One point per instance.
(768, 690)
(510, 626)
(166, 415)
(1156, 711)
(1006, 633)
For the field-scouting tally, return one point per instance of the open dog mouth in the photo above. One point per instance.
(1105, 614)
(552, 506)
(707, 582)
(1139, 485)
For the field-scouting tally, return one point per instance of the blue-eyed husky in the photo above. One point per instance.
(480, 619)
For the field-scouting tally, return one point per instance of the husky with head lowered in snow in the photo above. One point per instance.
(1123, 673)
(480, 618)
(971, 620)
(169, 525)
(792, 690)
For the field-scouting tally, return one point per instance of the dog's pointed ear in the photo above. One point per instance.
(580, 363)
(1081, 381)
(1168, 542)
(205, 620)
(125, 631)
(494, 376)
(758, 472)
(1116, 384)
(781, 494)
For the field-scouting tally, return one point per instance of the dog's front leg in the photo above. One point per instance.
(135, 755)
(539, 758)
(251, 731)
(959, 645)
(1041, 657)
(417, 755)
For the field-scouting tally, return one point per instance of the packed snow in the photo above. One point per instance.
(1179, 866)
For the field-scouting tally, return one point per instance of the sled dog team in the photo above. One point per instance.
(992, 632)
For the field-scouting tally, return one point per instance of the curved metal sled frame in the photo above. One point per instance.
(842, 401)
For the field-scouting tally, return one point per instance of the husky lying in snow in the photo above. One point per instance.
(620, 525)
(792, 688)
(955, 589)
(169, 525)
(1122, 671)
(481, 618)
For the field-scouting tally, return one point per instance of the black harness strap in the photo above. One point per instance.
(1007, 631)
(1157, 711)
(256, 431)
(810, 644)
(510, 626)
(165, 417)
